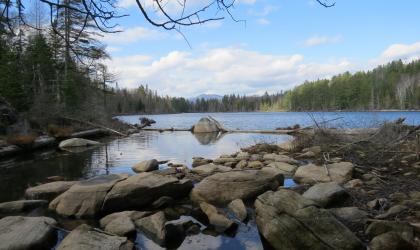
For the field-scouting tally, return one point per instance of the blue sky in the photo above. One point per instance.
(282, 43)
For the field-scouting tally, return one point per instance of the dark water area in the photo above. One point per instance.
(117, 155)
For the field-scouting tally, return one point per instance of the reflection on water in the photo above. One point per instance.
(117, 156)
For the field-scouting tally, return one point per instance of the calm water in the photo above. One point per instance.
(117, 155)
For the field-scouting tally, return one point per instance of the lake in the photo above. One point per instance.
(117, 155)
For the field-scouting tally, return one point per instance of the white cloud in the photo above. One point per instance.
(132, 35)
(405, 52)
(319, 40)
(222, 71)
(263, 21)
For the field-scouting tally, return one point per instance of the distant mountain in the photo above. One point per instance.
(206, 97)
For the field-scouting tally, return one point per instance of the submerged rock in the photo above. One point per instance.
(222, 188)
(146, 166)
(311, 174)
(48, 191)
(77, 142)
(287, 220)
(18, 232)
(21, 206)
(85, 237)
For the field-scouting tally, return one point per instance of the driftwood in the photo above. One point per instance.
(95, 125)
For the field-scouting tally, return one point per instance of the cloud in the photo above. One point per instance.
(263, 21)
(320, 40)
(266, 10)
(221, 70)
(405, 52)
(132, 35)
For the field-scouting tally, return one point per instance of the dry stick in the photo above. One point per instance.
(96, 125)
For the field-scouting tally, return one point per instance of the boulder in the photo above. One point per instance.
(77, 142)
(85, 237)
(225, 159)
(220, 222)
(311, 174)
(198, 161)
(85, 199)
(238, 209)
(288, 220)
(222, 188)
(18, 232)
(122, 223)
(255, 164)
(350, 214)
(143, 189)
(153, 226)
(287, 168)
(241, 164)
(286, 146)
(206, 125)
(390, 241)
(242, 156)
(21, 206)
(405, 230)
(146, 166)
(208, 169)
(326, 194)
(48, 191)
(280, 158)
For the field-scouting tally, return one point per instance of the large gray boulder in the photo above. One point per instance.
(146, 166)
(77, 142)
(21, 206)
(289, 221)
(85, 199)
(122, 223)
(326, 194)
(143, 189)
(206, 125)
(208, 169)
(17, 232)
(222, 188)
(311, 174)
(48, 191)
(220, 222)
(153, 226)
(85, 237)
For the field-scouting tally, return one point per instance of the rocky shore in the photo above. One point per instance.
(335, 203)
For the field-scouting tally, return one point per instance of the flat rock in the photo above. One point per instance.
(216, 218)
(208, 169)
(85, 237)
(238, 209)
(85, 199)
(153, 226)
(311, 174)
(18, 232)
(288, 220)
(77, 142)
(146, 166)
(143, 189)
(222, 188)
(326, 194)
(21, 206)
(48, 191)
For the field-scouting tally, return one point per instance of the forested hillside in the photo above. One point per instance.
(393, 86)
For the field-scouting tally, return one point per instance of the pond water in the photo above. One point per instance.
(117, 155)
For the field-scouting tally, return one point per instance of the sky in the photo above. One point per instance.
(280, 44)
